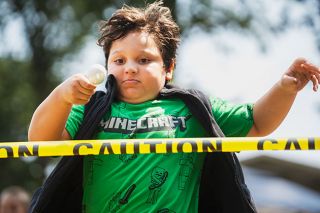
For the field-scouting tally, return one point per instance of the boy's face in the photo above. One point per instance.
(138, 67)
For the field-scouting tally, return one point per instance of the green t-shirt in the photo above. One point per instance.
(151, 182)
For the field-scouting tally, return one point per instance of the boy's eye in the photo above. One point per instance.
(144, 60)
(119, 61)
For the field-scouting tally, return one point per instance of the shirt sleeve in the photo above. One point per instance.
(235, 120)
(74, 120)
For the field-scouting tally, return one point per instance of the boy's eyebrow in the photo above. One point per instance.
(115, 52)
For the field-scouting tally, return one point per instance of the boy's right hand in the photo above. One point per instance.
(76, 90)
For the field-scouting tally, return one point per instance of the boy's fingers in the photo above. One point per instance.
(315, 82)
(310, 68)
(85, 83)
(82, 98)
(84, 90)
(318, 77)
(314, 72)
(300, 61)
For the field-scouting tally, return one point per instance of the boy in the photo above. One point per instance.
(140, 51)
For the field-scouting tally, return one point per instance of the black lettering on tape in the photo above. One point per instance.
(153, 145)
(103, 148)
(262, 141)
(169, 146)
(23, 150)
(8, 149)
(77, 147)
(293, 141)
(209, 147)
(311, 144)
(192, 143)
(123, 148)
(136, 148)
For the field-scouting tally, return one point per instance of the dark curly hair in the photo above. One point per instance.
(154, 19)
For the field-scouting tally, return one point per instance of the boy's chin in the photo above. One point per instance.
(134, 99)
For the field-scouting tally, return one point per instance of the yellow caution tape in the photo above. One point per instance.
(146, 146)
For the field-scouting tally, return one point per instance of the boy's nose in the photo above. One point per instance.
(131, 68)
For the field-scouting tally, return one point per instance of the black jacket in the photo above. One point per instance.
(222, 187)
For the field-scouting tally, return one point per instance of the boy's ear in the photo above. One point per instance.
(169, 73)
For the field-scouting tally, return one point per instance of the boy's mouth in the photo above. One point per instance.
(131, 81)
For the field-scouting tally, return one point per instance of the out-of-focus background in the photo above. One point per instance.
(233, 49)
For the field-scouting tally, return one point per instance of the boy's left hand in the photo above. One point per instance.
(299, 74)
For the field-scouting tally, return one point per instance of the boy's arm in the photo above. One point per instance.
(49, 119)
(270, 110)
